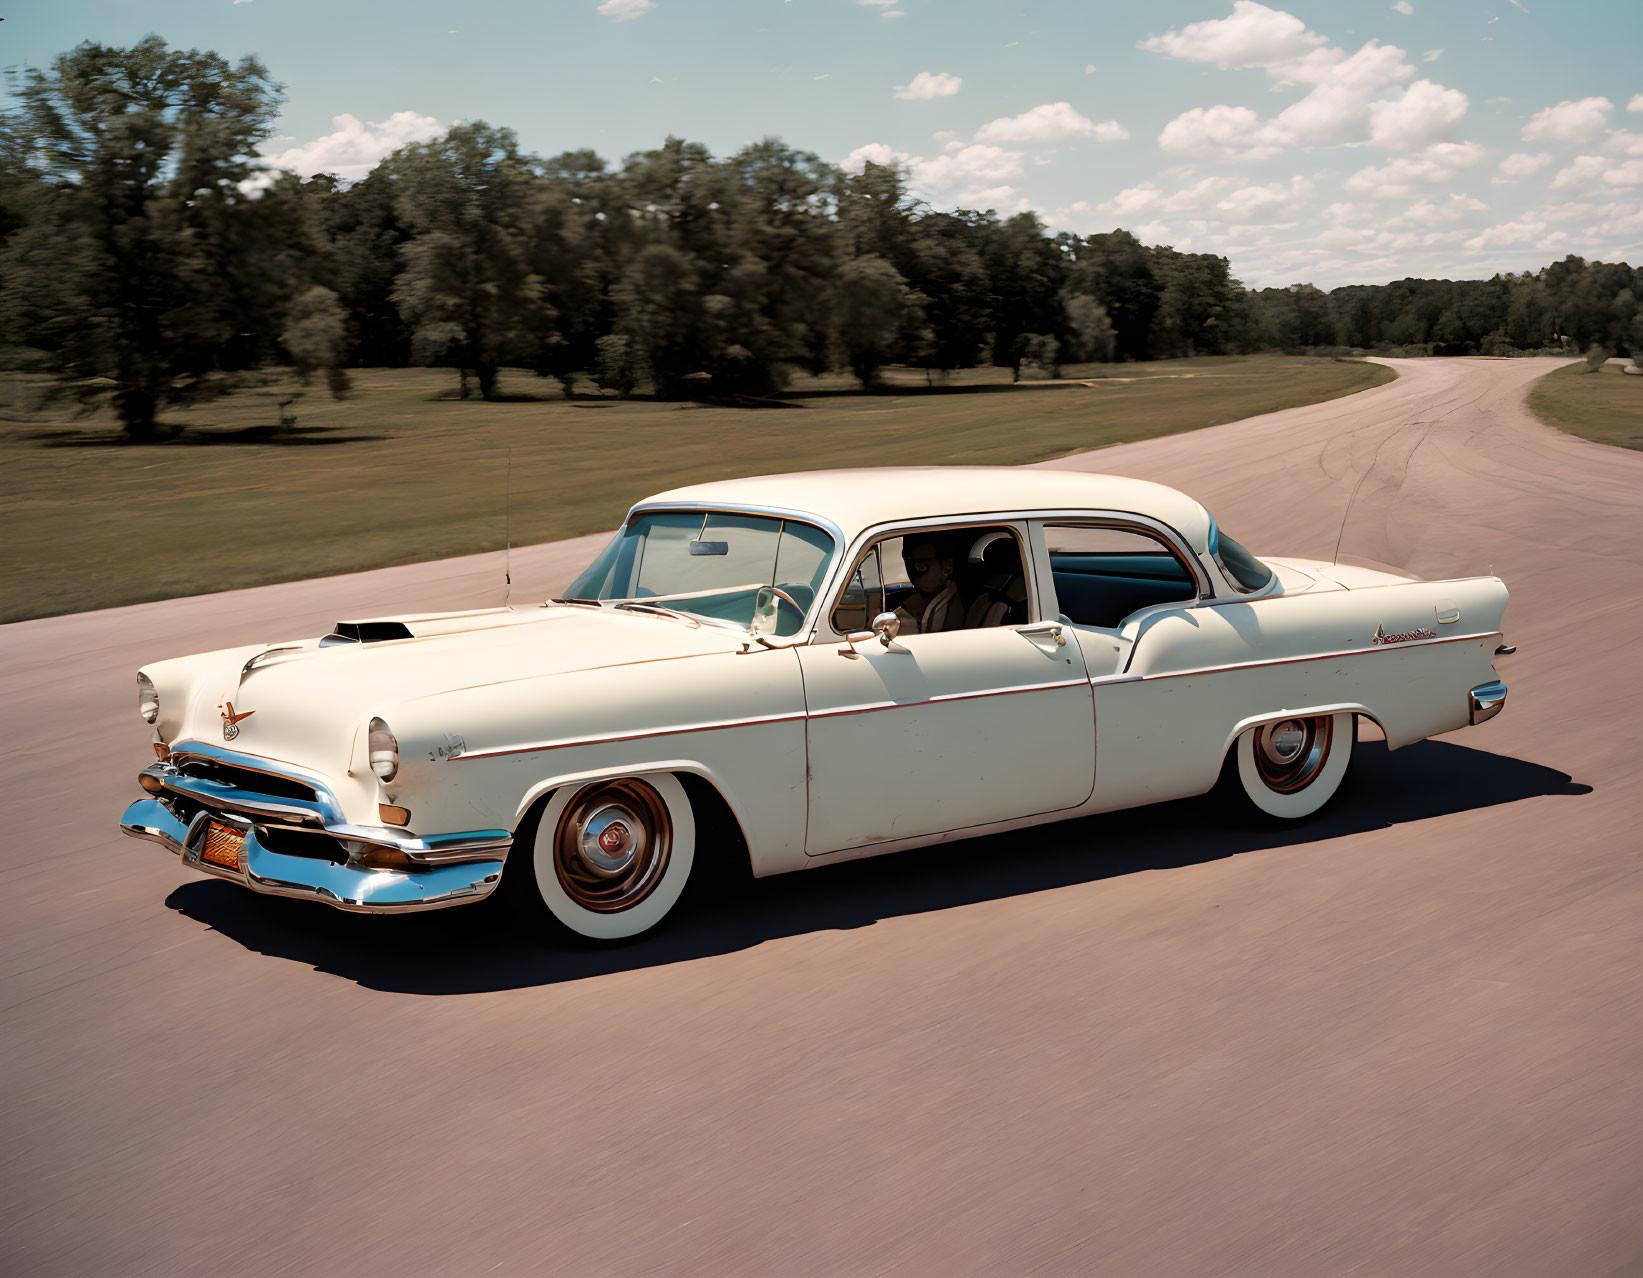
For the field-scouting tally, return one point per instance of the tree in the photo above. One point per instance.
(1116, 270)
(659, 309)
(143, 152)
(315, 335)
(1089, 328)
(871, 302)
(467, 291)
(617, 365)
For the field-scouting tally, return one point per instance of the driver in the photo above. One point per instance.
(934, 605)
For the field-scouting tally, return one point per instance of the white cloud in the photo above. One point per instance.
(1218, 132)
(1438, 163)
(894, 13)
(876, 153)
(1636, 104)
(1431, 55)
(242, 1)
(959, 176)
(1425, 113)
(929, 84)
(354, 149)
(1624, 142)
(1254, 36)
(1404, 7)
(1507, 233)
(1569, 121)
(880, 4)
(1457, 208)
(1521, 165)
(1053, 124)
(1352, 99)
(1273, 202)
(626, 10)
(970, 167)
(1592, 171)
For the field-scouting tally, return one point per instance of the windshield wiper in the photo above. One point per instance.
(633, 605)
(571, 599)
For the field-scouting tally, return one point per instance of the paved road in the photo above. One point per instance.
(1404, 1040)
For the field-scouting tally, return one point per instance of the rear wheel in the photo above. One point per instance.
(610, 859)
(1290, 769)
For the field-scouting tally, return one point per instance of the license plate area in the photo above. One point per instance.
(220, 844)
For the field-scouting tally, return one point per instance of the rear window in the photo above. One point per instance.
(1242, 570)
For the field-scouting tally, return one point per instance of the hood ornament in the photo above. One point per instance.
(231, 721)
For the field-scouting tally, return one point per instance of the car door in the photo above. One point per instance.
(939, 732)
(1110, 577)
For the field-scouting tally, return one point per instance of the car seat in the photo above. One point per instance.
(1000, 598)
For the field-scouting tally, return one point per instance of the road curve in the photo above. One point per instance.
(1403, 1040)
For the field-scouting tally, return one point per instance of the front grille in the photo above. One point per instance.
(247, 779)
(314, 846)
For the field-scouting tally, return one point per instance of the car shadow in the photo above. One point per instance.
(473, 950)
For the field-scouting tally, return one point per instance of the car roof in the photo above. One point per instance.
(856, 500)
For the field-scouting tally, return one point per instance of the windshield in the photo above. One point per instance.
(1243, 571)
(757, 572)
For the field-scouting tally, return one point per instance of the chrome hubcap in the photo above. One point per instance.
(611, 838)
(1289, 755)
(612, 845)
(1283, 742)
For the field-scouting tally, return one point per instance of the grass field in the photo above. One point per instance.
(403, 471)
(1606, 406)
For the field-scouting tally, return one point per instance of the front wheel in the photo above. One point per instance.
(1292, 768)
(611, 859)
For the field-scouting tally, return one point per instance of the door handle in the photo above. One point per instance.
(1048, 629)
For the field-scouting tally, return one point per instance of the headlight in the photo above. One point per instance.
(384, 750)
(148, 700)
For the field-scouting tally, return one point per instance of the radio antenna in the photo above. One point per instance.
(507, 532)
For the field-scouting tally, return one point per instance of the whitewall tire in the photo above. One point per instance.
(611, 858)
(1291, 768)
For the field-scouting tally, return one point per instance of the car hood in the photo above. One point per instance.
(305, 701)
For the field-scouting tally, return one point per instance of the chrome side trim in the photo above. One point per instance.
(870, 706)
(718, 725)
(1317, 656)
(1486, 701)
(352, 887)
(712, 725)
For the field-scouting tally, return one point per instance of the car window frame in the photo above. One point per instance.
(868, 540)
(807, 628)
(1154, 529)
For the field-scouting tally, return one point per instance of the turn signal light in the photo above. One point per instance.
(393, 816)
(150, 783)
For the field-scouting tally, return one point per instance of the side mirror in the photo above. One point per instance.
(886, 626)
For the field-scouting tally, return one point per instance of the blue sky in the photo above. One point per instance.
(1331, 142)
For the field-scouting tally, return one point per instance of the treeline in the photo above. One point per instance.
(145, 256)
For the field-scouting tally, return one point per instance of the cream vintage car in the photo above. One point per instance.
(799, 670)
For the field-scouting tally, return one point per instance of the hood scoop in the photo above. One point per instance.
(366, 632)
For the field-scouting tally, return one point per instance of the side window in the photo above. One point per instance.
(862, 598)
(1104, 572)
(936, 580)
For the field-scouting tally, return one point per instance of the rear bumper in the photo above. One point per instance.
(351, 886)
(1486, 701)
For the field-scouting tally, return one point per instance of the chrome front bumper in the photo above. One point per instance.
(430, 871)
(349, 886)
